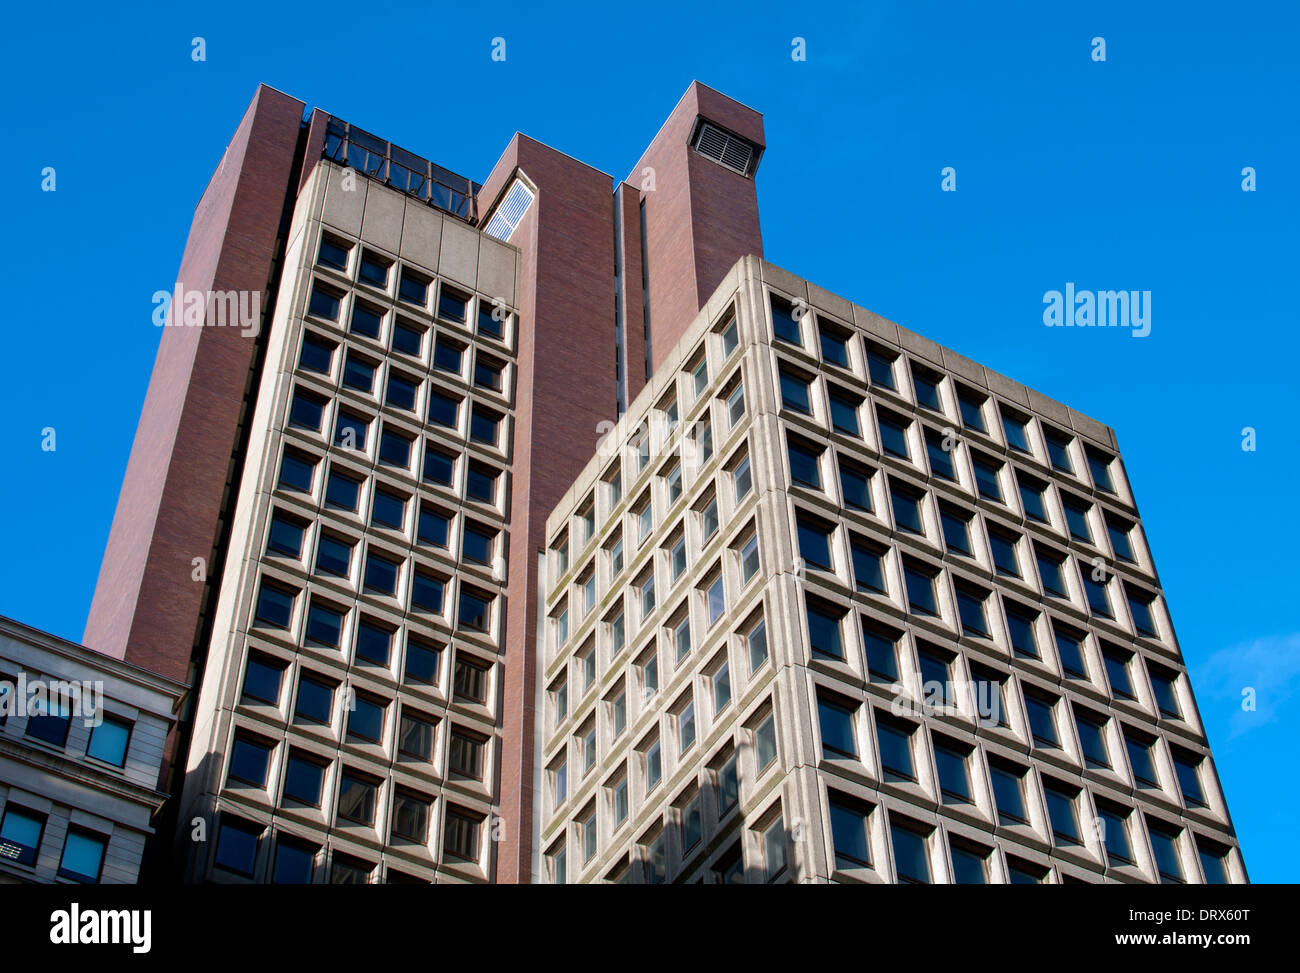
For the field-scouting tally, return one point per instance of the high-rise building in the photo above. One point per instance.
(377, 381)
(834, 603)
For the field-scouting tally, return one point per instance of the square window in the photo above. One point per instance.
(20, 832)
(836, 719)
(1113, 825)
(304, 779)
(324, 303)
(237, 843)
(484, 426)
(415, 737)
(249, 761)
(785, 326)
(941, 459)
(1042, 721)
(400, 393)
(834, 344)
(850, 833)
(868, 566)
(421, 662)
(492, 320)
(1020, 629)
(356, 799)
(880, 366)
(1076, 518)
(413, 288)
(906, 505)
(882, 653)
(366, 719)
(333, 556)
(1092, 739)
(1163, 684)
(956, 530)
(1139, 606)
(1069, 647)
(334, 253)
(342, 491)
(825, 634)
(742, 479)
(374, 643)
(350, 431)
(954, 776)
(1138, 747)
(387, 509)
(297, 472)
(381, 574)
(374, 269)
(448, 355)
(475, 612)
(1017, 432)
(411, 816)
(1061, 812)
(844, 415)
(855, 482)
(316, 355)
(480, 544)
(1058, 451)
(920, 590)
(275, 605)
(1031, 496)
(894, 739)
(911, 853)
(970, 863)
(452, 306)
(970, 608)
(306, 411)
(1008, 792)
(972, 409)
(481, 483)
(926, 385)
(286, 534)
(988, 478)
(427, 592)
(109, 740)
(736, 406)
(366, 321)
(1005, 559)
(795, 393)
(893, 435)
(814, 538)
(1099, 466)
(756, 644)
(408, 339)
(324, 625)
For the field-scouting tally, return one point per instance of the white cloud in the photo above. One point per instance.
(1270, 666)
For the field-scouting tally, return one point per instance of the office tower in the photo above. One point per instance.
(834, 603)
(81, 743)
(376, 379)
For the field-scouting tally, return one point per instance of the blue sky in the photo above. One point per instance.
(1122, 174)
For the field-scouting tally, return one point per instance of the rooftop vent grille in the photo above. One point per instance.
(727, 150)
(512, 209)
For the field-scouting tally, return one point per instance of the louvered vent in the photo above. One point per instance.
(727, 150)
(512, 209)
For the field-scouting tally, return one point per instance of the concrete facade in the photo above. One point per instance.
(404, 581)
(78, 792)
(854, 696)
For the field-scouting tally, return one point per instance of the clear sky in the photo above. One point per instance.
(1125, 173)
